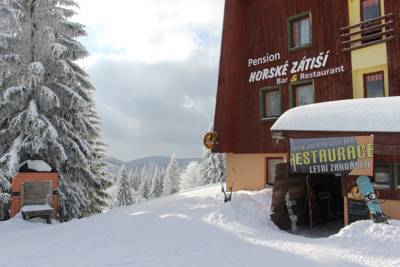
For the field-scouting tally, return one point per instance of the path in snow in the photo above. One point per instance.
(193, 229)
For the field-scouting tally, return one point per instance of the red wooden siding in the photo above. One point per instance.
(37, 176)
(251, 30)
(393, 48)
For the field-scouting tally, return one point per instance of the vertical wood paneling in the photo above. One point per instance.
(36, 176)
(254, 28)
(393, 49)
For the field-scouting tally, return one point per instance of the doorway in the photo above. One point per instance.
(324, 204)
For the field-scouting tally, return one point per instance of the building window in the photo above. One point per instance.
(382, 175)
(374, 84)
(397, 175)
(300, 31)
(371, 9)
(271, 169)
(270, 103)
(303, 94)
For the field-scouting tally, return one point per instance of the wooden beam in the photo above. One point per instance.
(366, 22)
(366, 37)
(368, 44)
(387, 24)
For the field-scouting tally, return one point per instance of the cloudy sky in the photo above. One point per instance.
(154, 64)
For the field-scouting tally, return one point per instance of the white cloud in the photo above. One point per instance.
(150, 30)
(154, 64)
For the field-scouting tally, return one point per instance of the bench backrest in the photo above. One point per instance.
(36, 193)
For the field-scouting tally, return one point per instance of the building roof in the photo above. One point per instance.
(356, 115)
(35, 166)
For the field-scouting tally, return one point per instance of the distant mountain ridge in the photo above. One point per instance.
(115, 164)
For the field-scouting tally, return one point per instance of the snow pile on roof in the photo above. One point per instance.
(37, 165)
(356, 115)
(194, 228)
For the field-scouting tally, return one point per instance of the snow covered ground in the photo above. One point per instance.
(193, 228)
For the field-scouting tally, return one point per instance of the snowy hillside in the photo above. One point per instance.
(193, 228)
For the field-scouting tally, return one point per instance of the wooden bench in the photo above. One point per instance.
(36, 200)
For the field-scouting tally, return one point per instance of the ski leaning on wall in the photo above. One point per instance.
(292, 216)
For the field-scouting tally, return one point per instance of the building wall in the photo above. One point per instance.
(393, 48)
(389, 207)
(358, 79)
(253, 29)
(248, 171)
(369, 59)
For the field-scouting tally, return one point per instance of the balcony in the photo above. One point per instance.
(367, 33)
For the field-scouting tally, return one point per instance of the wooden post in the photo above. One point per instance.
(309, 193)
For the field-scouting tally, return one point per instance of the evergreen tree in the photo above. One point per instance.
(158, 187)
(147, 181)
(172, 177)
(158, 183)
(131, 176)
(98, 193)
(47, 109)
(146, 190)
(113, 192)
(191, 177)
(136, 179)
(212, 168)
(125, 194)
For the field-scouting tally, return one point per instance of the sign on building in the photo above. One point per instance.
(337, 155)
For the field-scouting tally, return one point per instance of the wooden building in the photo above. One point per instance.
(376, 121)
(43, 177)
(280, 54)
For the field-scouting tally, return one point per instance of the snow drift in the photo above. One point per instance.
(193, 228)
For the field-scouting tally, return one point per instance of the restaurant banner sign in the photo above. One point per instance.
(337, 155)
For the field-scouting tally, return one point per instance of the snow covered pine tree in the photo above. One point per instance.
(47, 110)
(211, 167)
(158, 183)
(191, 177)
(172, 177)
(125, 190)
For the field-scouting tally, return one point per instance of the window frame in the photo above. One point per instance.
(392, 177)
(362, 9)
(371, 32)
(290, 21)
(267, 159)
(365, 76)
(263, 92)
(397, 175)
(293, 93)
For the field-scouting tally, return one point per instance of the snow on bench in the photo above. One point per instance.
(32, 208)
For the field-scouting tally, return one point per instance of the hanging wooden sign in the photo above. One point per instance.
(210, 140)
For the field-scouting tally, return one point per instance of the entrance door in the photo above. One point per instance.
(325, 199)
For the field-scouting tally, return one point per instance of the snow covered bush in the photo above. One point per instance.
(47, 110)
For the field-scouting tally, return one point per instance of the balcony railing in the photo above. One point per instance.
(367, 33)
